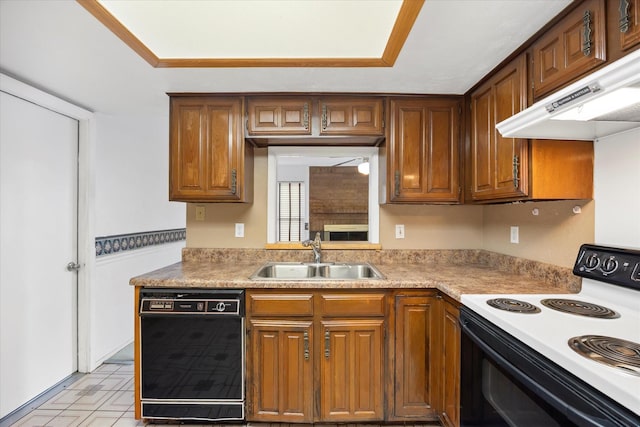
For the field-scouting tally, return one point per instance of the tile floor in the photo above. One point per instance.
(102, 398)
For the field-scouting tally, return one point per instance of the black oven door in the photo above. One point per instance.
(506, 383)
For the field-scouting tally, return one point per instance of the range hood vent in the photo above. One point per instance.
(604, 103)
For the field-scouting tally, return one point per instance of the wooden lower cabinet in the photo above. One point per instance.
(450, 364)
(414, 346)
(352, 357)
(281, 381)
(351, 370)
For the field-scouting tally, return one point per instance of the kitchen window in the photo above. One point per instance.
(292, 163)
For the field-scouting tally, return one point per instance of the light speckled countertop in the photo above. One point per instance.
(454, 272)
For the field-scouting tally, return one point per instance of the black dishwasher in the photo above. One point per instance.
(192, 354)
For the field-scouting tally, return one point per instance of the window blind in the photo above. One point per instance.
(290, 211)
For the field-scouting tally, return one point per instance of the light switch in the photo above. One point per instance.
(399, 231)
(239, 229)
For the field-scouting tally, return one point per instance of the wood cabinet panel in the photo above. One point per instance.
(629, 23)
(280, 374)
(352, 305)
(208, 158)
(351, 370)
(351, 116)
(571, 48)
(450, 365)
(561, 169)
(423, 151)
(280, 304)
(279, 115)
(415, 374)
(498, 165)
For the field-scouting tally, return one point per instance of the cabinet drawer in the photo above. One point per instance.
(351, 305)
(279, 304)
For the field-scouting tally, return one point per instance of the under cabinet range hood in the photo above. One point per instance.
(604, 103)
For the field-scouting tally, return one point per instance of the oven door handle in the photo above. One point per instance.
(571, 412)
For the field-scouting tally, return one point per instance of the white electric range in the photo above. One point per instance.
(608, 306)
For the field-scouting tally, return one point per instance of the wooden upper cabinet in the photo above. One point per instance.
(208, 159)
(351, 116)
(498, 165)
(629, 23)
(423, 151)
(279, 115)
(571, 48)
(502, 169)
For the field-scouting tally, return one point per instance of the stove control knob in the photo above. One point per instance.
(609, 265)
(591, 262)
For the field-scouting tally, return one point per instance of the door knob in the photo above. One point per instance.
(72, 266)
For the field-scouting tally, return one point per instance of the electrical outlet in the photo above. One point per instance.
(200, 212)
(399, 231)
(239, 229)
(515, 231)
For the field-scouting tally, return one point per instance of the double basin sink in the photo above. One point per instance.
(313, 271)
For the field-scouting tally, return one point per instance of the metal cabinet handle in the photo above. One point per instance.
(234, 181)
(327, 343)
(324, 117)
(396, 183)
(625, 17)
(305, 116)
(516, 171)
(306, 345)
(586, 43)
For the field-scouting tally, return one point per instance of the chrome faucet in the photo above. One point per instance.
(316, 245)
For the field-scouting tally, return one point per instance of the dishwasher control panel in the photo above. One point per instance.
(169, 303)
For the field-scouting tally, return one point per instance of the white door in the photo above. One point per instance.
(38, 234)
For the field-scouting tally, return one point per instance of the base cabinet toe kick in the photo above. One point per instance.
(292, 356)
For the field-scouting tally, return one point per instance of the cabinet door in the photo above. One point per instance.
(416, 376)
(206, 149)
(450, 379)
(499, 166)
(572, 47)
(280, 371)
(423, 162)
(629, 23)
(352, 116)
(351, 371)
(279, 116)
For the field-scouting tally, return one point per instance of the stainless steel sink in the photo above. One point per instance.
(312, 271)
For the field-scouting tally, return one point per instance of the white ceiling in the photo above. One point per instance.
(269, 29)
(61, 48)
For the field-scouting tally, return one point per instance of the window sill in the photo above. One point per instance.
(326, 246)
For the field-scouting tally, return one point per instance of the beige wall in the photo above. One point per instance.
(431, 226)
(218, 228)
(553, 236)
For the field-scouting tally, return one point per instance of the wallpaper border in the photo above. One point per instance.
(118, 243)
